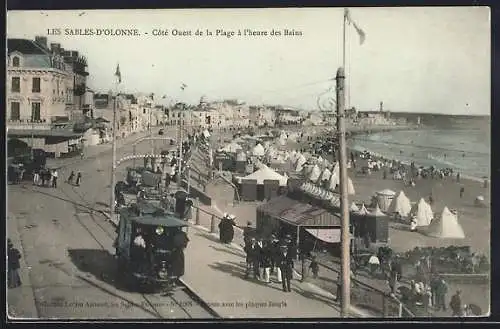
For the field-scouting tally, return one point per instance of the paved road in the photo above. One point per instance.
(68, 267)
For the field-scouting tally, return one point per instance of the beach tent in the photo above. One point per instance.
(206, 134)
(325, 175)
(422, 212)
(258, 150)
(350, 187)
(446, 226)
(377, 224)
(400, 204)
(266, 173)
(362, 211)
(354, 207)
(315, 174)
(384, 198)
(301, 161)
(333, 181)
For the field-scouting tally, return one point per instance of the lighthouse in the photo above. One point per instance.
(381, 108)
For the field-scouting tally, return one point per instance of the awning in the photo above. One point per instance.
(330, 235)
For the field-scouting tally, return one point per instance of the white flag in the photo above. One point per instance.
(361, 33)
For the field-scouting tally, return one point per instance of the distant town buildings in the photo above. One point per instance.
(50, 106)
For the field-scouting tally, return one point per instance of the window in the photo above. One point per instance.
(35, 111)
(143, 111)
(15, 113)
(16, 84)
(15, 61)
(36, 85)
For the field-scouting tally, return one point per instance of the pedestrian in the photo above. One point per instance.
(43, 175)
(462, 191)
(78, 178)
(458, 177)
(13, 256)
(82, 155)
(36, 176)
(442, 290)
(251, 251)
(265, 261)
(71, 177)
(286, 266)
(55, 174)
(434, 287)
(314, 267)
(456, 304)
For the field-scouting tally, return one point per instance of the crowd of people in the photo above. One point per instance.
(269, 257)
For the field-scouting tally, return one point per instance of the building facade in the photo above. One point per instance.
(39, 84)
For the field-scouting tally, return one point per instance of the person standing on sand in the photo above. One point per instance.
(456, 304)
(458, 177)
(462, 191)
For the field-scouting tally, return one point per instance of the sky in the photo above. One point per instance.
(427, 59)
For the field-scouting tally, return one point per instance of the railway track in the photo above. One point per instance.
(182, 302)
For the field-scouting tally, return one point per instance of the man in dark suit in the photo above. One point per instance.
(286, 267)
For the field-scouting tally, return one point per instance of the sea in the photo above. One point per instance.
(462, 143)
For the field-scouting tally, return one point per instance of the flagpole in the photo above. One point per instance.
(113, 163)
(344, 38)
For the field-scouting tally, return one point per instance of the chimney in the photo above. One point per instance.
(55, 48)
(41, 40)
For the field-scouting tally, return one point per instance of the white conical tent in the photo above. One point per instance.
(301, 161)
(206, 133)
(354, 207)
(333, 181)
(258, 150)
(362, 211)
(400, 204)
(325, 175)
(266, 173)
(314, 174)
(446, 226)
(422, 212)
(350, 187)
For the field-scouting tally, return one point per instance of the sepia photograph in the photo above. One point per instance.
(215, 164)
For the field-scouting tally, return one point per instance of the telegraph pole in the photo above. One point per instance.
(113, 164)
(344, 203)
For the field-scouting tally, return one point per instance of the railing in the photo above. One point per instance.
(362, 295)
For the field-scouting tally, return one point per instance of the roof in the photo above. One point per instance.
(25, 46)
(298, 213)
(43, 133)
(153, 215)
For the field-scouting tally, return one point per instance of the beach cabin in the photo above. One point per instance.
(313, 227)
(384, 198)
(262, 184)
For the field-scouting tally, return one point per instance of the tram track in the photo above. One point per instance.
(146, 297)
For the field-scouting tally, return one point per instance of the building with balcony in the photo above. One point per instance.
(39, 87)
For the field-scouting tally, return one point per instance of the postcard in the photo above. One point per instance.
(286, 163)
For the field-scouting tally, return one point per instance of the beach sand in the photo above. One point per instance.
(475, 221)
